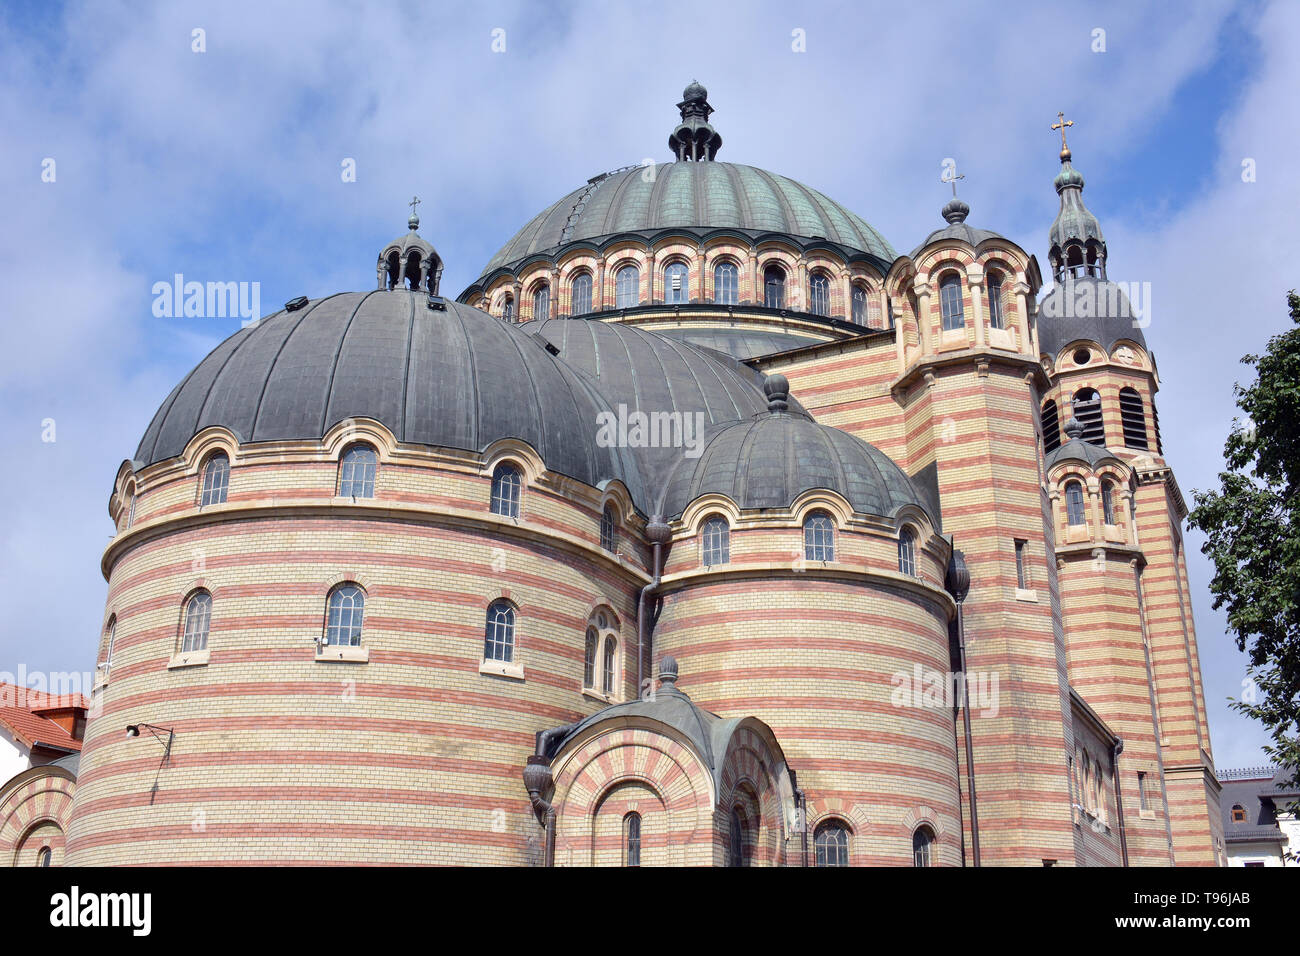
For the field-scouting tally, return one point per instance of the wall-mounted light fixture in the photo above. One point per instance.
(133, 730)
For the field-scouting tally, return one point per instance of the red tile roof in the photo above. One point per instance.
(21, 712)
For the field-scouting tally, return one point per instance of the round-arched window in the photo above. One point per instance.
(627, 287)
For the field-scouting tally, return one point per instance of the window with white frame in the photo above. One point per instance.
(715, 541)
(676, 284)
(726, 283)
(216, 480)
(627, 287)
(506, 485)
(357, 470)
(198, 618)
(499, 633)
(344, 611)
(819, 537)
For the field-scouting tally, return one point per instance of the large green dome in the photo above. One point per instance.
(698, 197)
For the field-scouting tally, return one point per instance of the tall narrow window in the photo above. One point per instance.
(627, 287)
(907, 552)
(43, 858)
(542, 303)
(589, 658)
(1087, 408)
(1108, 501)
(736, 851)
(1051, 426)
(950, 303)
(995, 303)
(608, 535)
(508, 309)
(1132, 418)
(860, 305)
(357, 472)
(676, 290)
(819, 294)
(506, 484)
(726, 283)
(831, 841)
(216, 480)
(580, 294)
(715, 542)
(198, 617)
(632, 839)
(109, 635)
(343, 615)
(611, 666)
(1074, 503)
(1143, 803)
(819, 537)
(1022, 567)
(922, 846)
(774, 287)
(499, 635)
(130, 512)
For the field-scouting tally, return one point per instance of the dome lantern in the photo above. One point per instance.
(1078, 248)
(695, 139)
(410, 261)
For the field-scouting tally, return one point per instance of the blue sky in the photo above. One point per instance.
(225, 165)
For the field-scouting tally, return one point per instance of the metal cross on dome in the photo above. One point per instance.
(950, 175)
(1061, 123)
(415, 201)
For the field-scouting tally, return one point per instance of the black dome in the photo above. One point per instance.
(1087, 308)
(457, 378)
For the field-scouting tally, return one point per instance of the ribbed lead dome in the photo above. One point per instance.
(694, 196)
(454, 378)
(774, 457)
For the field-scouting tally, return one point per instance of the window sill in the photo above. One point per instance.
(1146, 814)
(348, 655)
(189, 659)
(502, 669)
(1029, 595)
(597, 696)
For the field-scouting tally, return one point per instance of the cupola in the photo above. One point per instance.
(410, 261)
(1078, 248)
(695, 139)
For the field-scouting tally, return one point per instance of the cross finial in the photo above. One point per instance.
(1061, 123)
(950, 175)
(414, 221)
(415, 201)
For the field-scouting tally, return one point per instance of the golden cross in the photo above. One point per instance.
(1061, 123)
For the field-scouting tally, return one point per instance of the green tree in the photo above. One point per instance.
(1253, 538)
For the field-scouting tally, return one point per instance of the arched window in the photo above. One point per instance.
(344, 610)
(580, 294)
(676, 286)
(860, 308)
(608, 530)
(819, 537)
(950, 303)
(508, 309)
(632, 839)
(499, 636)
(610, 667)
(506, 485)
(1108, 501)
(995, 302)
(198, 616)
(1051, 426)
(589, 658)
(1238, 813)
(831, 840)
(1087, 408)
(110, 634)
(1074, 503)
(130, 512)
(819, 294)
(216, 480)
(627, 287)
(715, 542)
(922, 846)
(726, 283)
(1132, 418)
(43, 858)
(542, 303)
(907, 552)
(737, 852)
(357, 472)
(774, 287)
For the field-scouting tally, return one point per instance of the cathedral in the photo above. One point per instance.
(703, 528)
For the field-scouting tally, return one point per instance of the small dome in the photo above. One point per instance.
(954, 213)
(773, 458)
(695, 91)
(1076, 449)
(453, 377)
(1089, 309)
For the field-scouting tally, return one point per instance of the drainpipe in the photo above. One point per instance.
(658, 532)
(1119, 799)
(958, 584)
(803, 814)
(537, 779)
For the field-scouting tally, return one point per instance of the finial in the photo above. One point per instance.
(950, 175)
(668, 669)
(1074, 428)
(955, 211)
(1061, 123)
(777, 390)
(694, 139)
(414, 221)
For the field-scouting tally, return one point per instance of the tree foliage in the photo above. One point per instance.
(1253, 538)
